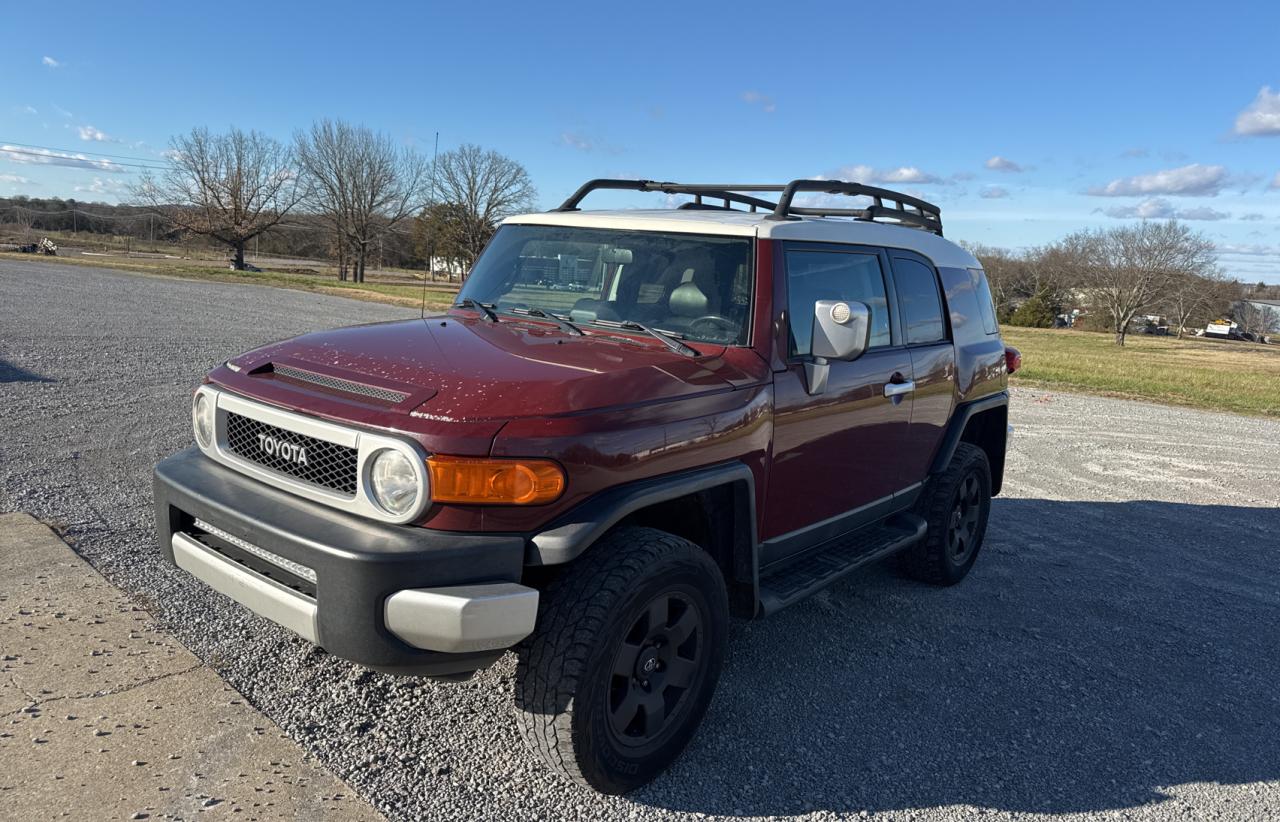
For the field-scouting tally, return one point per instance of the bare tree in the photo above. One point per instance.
(1256, 319)
(361, 182)
(1015, 277)
(24, 219)
(230, 187)
(1195, 296)
(486, 187)
(1126, 271)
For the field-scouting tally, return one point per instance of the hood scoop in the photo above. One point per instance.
(289, 372)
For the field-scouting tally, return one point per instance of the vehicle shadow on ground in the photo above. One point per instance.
(12, 373)
(1099, 653)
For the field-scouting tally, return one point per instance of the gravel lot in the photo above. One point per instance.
(1116, 651)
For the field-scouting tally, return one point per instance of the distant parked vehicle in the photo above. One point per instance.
(45, 246)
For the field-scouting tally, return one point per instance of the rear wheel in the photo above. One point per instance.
(956, 505)
(614, 681)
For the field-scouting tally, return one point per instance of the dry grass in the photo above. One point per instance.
(1211, 374)
(397, 292)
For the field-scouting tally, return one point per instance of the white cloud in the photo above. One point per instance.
(14, 179)
(41, 156)
(100, 186)
(1158, 208)
(575, 140)
(1248, 249)
(29, 110)
(1275, 182)
(50, 62)
(94, 135)
(897, 176)
(998, 163)
(1202, 213)
(1186, 181)
(994, 193)
(1253, 217)
(1261, 118)
(755, 98)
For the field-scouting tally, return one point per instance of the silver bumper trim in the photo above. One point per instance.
(265, 597)
(463, 618)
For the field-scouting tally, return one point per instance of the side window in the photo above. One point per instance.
(917, 287)
(833, 275)
(985, 304)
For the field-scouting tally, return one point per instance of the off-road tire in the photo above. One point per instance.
(935, 559)
(568, 694)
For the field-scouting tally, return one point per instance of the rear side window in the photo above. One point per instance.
(833, 275)
(985, 304)
(917, 287)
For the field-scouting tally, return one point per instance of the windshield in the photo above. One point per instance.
(688, 285)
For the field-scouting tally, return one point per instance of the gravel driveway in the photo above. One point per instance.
(1116, 651)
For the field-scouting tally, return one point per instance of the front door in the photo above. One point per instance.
(836, 455)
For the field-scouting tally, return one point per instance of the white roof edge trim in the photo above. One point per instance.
(641, 221)
(941, 251)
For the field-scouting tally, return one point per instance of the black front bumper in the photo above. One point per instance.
(358, 563)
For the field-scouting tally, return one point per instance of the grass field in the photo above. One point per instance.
(1211, 374)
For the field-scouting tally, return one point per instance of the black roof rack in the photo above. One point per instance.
(902, 209)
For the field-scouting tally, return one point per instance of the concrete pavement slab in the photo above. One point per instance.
(103, 716)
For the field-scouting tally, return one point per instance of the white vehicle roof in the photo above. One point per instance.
(941, 251)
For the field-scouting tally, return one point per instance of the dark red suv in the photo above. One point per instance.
(631, 426)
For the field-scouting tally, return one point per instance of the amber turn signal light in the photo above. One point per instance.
(484, 481)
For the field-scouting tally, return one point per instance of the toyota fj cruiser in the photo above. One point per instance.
(631, 426)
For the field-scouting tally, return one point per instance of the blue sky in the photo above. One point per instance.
(1022, 121)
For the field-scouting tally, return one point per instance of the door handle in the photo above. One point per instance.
(898, 389)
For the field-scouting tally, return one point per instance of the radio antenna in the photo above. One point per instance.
(431, 239)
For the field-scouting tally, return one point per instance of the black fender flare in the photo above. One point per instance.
(959, 420)
(576, 530)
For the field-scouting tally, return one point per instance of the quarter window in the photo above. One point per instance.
(985, 304)
(917, 287)
(833, 275)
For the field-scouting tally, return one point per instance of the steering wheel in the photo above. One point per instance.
(721, 328)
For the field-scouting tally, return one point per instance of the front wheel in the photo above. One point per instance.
(615, 679)
(956, 504)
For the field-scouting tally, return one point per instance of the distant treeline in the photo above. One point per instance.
(303, 236)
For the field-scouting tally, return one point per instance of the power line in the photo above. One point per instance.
(103, 165)
(78, 151)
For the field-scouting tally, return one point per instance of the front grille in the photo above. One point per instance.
(326, 464)
(339, 384)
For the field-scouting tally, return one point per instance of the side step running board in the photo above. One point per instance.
(821, 566)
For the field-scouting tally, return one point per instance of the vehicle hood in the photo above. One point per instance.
(459, 368)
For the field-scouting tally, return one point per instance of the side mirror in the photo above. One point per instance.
(841, 331)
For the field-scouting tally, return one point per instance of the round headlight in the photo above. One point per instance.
(202, 414)
(394, 482)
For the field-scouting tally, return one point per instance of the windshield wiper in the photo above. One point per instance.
(565, 325)
(661, 336)
(476, 305)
